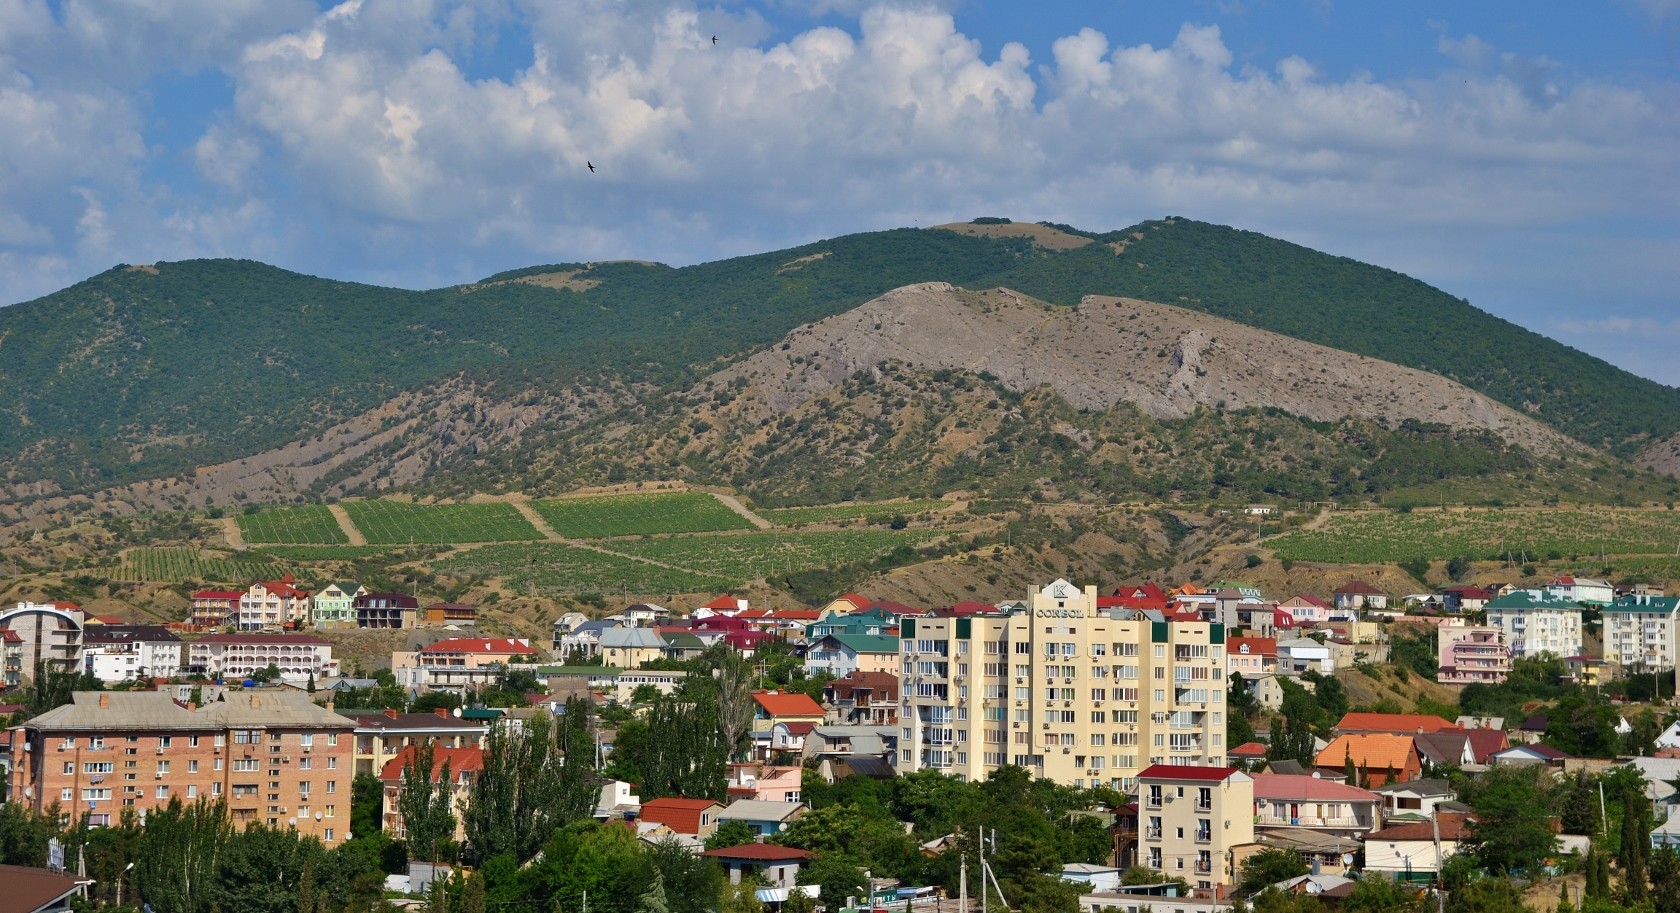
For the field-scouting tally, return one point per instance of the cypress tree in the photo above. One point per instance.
(1636, 846)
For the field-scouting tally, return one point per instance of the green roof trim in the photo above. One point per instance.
(1521, 600)
(867, 643)
(1652, 605)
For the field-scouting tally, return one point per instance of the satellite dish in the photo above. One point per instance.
(1347, 859)
(317, 816)
(294, 822)
(457, 713)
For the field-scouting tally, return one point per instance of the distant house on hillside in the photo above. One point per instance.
(1358, 594)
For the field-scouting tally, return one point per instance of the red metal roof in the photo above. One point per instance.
(480, 645)
(787, 704)
(1185, 772)
(758, 852)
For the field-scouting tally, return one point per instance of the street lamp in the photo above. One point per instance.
(120, 875)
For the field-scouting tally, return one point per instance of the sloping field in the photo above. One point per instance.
(762, 554)
(312, 524)
(1549, 534)
(834, 513)
(554, 568)
(177, 565)
(400, 522)
(638, 515)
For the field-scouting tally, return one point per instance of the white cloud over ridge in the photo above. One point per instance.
(365, 142)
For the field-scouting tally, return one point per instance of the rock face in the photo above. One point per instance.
(1167, 360)
(1661, 456)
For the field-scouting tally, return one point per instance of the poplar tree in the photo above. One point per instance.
(535, 779)
(424, 802)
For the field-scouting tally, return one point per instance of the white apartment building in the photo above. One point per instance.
(1640, 632)
(235, 656)
(1074, 694)
(1534, 624)
(122, 653)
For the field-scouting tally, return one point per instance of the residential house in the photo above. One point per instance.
(1282, 800)
(386, 610)
(689, 817)
(1414, 798)
(124, 653)
(1586, 590)
(629, 648)
(1378, 757)
(1357, 595)
(1141, 597)
(1311, 610)
(681, 645)
(838, 750)
(460, 663)
(1523, 755)
(1250, 657)
(240, 656)
(581, 640)
(335, 605)
(1252, 755)
(776, 708)
(1533, 625)
(841, 654)
(269, 605)
(1303, 654)
(33, 890)
(777, 866)
(766, 819)
(1641, 632)
(1190, 819)
(871, 622)
(214, 608)
(1465, 598)
(272, 755)
(463, 766)
(458, 614)
(1414, 852)
(385, 734)
(1471, 654)
(11, 658)
(1587, 670)
(51, 634)
(864, 698)
(1397, 723)
(626, 684)
(765, 782)
(1268, 689)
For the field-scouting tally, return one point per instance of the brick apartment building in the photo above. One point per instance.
(274, 756)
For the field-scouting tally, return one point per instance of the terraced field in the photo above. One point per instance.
(872, 511)
(759, 554)
(401, 523)
(638, 515)
(176, 565)
(554, 568)
(1552, 534)
(318, 553)
(313, 524)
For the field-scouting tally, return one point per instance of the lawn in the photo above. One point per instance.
(401, 523)
(311, 525)
(638, 515)
(1531, 534)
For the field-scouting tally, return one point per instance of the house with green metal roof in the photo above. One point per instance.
(842, 654)
(681, 645)
(1534, 623)
(1641, 631)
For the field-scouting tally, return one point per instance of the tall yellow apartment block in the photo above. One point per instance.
(1074, 692)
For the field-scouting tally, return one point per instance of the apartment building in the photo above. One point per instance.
(460, 663)
(214, 608)
(1075, 693)
(464, 765)
(274, 756)
(238, 656)
(1190, 818)
(1640, 632)
(386, 610)
(273, 604)
(122, 653)
(50, 633)
(1534, 624)
(335, 605)
(382, 735)
(1468, 653)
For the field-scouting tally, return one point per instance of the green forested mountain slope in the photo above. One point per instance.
(143, 372)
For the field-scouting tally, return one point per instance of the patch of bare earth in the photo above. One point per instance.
(1042, 235)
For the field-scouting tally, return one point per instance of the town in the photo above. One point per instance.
(1189, 748)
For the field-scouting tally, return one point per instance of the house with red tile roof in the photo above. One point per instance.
(1378, 758)
(463, 766)
(774, 719)
(723, 605)
(1406, 723)
(1250, 657)
(1190, 817)
(689, 817)
(1298, 800)
(1136, 596)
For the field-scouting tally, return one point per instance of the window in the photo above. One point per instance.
(192, 791)
(70, 767)
(221, 739)
(192, 741)
(216, 788)
(216, 764)
(163, 768)
(303, 763)
(96, 794)
(67, 795)
(331, 811)
(307, 739)
(165, 741)
(192, 767)
(163, 792)
(242, 764)
(96, 743)
(328, 836)
(92, 767)
(332, 739)
(332, 763)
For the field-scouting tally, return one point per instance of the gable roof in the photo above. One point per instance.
(1392, 722)
(470, 759)
(480, 645)
(27, 889)
(1251, 646)
(1248, 750)
(1307, 788)
(787, 703)
(680, 815)
(1453, 827)
(1369, 750)
(866, 643)
(758, 852)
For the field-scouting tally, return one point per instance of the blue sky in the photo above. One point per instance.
(1525, 156)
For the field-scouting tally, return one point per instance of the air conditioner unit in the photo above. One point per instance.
(1046, 725)
(158, 775)
(1067, 751)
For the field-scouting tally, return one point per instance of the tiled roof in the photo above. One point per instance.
(1257, 646)
(458, 759)
(1306, 788)
(1312, 600)
(1370, 751)
(127, 634)
(1392, 722)
(680, 815)
(1185, 772)
(1248, 750)
(480, 645)
(1453, 827)
(787, 703)
(800, 728)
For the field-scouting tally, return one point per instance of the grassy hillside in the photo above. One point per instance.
(145, 372)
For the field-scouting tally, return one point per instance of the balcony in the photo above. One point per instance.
(1151, 833)
(1204, 866)
(1309, 821)
(1204, 836)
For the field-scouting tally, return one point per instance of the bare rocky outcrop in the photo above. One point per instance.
(1167, 360)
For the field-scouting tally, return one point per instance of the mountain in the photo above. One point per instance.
(152, 373)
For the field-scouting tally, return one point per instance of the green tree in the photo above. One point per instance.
(535, 779)
(1268, 867)
(182, 850)
(1489, 895)
(424, 803)
(1665, 879)
(733, 832)
(693, 883)
(1457, 567)
(840, 876)
(367, 803)
(1513, 831)
(1635, 847)
(1374, 893)
(1293, 739)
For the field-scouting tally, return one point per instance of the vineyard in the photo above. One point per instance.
(761, 554)
(638, 515)
(320, 553)
(553, 568)
(311, 525)
(871, 511)
(401, 523)
(177, 565)
(1555, 534)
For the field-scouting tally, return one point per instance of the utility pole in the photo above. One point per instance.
(962, 878)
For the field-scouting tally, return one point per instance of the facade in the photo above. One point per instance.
(864, 698)
(386, 610)
(449, 613)
(764, 782)
(688, 817)
(239, 656)
(767, 818)
(842, 654)
(1378, 758)
(1533, 625)
(781, 721)
(1190, 818)
(334, 606)
(11, 658)
(1472, 654)
(123, 653)
(214, 608)
(385, 734)
(1641, 632)
(629, 648)
(1250, 657)
(460, 662)
(274, 756)
(1303, 654)
(1294, 800)
(1581, 590)
(464, 765)
(1073, 693)
(1358, 594)
(1409, 851)
(270, 605)
(50, 633)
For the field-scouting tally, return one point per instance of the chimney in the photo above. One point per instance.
(439, 711)
(391, 713)
(104, 701)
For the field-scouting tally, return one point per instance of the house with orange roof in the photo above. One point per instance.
(463, 764)
(844, 605)
(1398, 723)
(1379, 758)
(785, 716)
(723, 605)
(1250, 657)
(689, 817)
(458, 663)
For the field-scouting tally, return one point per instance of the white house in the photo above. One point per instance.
(1534, 623)
(123, 653)
(1301, 654)
(1670, 737)
(1408, 851)
(1581, 589)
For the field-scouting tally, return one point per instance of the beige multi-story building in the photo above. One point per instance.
(1641, 632)
(1076, 694)
(274, 756)
(1190, 818)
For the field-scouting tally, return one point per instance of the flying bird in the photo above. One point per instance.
(714, 39)
(591, 166)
